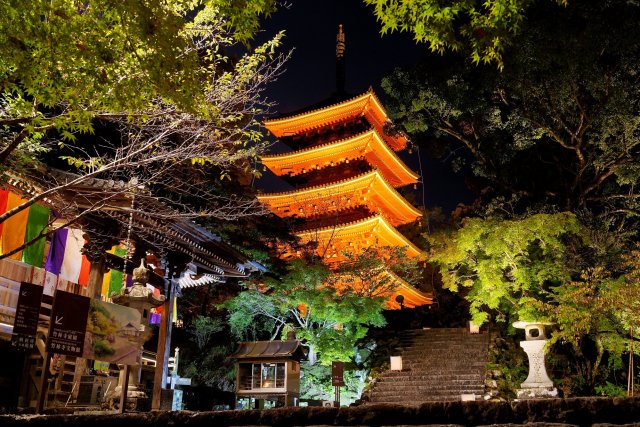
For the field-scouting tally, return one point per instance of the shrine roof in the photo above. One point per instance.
(285, 349)
(366, 104)
(369, 144)
(177, 233)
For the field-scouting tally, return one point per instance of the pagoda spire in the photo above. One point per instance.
(340, 61)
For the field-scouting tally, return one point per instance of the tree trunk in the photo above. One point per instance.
(312, 357)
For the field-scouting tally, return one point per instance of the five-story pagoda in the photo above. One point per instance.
(345, 171)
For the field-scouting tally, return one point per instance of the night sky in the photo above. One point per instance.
(310, 28)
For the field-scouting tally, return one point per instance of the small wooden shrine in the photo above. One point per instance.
(267, 373)
(345, 170)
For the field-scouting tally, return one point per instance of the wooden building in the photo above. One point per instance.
(178, 252)
(267, 373)
(345, 171)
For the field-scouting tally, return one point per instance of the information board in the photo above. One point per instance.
(27, 313)
(68, 324)
(337, 373)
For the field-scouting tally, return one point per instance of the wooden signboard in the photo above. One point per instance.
(337, 374)
(27, 313)
(68, 324)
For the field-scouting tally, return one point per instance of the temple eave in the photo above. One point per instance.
(380, 156)
(371, 185)
(375, 226)
(365, 104)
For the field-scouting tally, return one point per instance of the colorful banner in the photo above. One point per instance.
(113, 333)
(37, 222)
(14, 227)
(113, 279)
(4, 196)
(65, 258)
(23, 227)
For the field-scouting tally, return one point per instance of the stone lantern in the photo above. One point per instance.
(537, 384)
(142, 299)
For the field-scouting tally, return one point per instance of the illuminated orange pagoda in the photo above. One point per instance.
(345, 172)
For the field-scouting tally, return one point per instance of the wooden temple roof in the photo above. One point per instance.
(366, 104)
(370, 189)
(277, 349)
(179, 234)
(369, 145)
(365, 232)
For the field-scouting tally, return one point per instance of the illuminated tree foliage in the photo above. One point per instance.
(505, 265)
(557, 129)
(482, 28)
(155, 79)
(329, 318)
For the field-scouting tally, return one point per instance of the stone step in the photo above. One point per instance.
(426, 386)
(438, 365)
(444, 360)
(439, 345)
(456, 376)
(428, 367)
(408, 394)
(418, 402)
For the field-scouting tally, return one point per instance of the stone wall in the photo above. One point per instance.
(578, 411)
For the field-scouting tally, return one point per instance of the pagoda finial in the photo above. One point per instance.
(340, 45)
(340, 64)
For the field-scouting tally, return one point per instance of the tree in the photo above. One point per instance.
(558, 127)
(505, 266)
(207, 363)
(373, 272)
(202, 328)
(593, 316)
(483, 28)
(173, 111)
(329, 320)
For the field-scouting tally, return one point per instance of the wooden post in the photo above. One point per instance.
(96, 274)
(125, 388)
(164, 337)
(94, 290)
(42, 393)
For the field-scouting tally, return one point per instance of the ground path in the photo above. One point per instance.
(577, 411)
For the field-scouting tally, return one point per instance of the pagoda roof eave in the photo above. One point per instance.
(333, 113)
(392, 201)
(412, 296)
(359, 142)
(357, 228)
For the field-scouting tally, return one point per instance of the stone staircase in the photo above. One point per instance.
(437, 365)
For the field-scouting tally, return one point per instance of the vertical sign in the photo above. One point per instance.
(337, 374)
(68, 324)
(27, 313)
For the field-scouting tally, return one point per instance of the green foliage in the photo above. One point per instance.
(505, 264)
(209, 366)
(611, 390)
(482, 28)
(202, 328)
(316, 383)
(134, 63)
(595, 314)
(329, 319)
(507, 363)
(557, 130)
